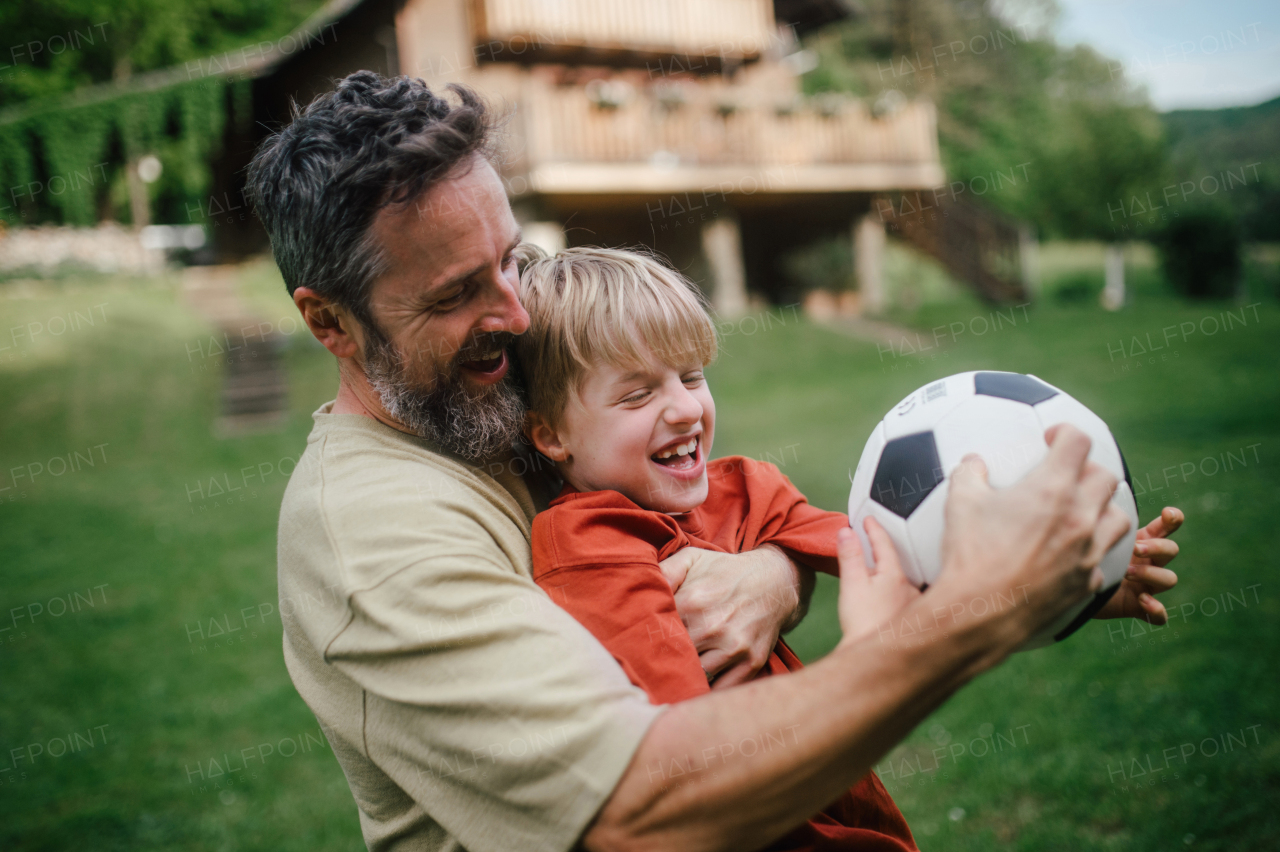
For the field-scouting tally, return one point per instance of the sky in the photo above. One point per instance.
(1190, 54)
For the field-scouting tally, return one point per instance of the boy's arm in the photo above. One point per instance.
(769, 510)
(597, 558)
(630, 609)
(761, 591)
(735, 605)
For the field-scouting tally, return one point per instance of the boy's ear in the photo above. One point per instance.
(544, 437)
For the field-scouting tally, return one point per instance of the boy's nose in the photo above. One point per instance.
(684, 408)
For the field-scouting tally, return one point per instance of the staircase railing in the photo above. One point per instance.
(976, 245)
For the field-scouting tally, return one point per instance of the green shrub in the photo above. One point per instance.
(1078, 288)
(1200, 253)
(825, 264)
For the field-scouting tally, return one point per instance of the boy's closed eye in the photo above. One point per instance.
(637, 396)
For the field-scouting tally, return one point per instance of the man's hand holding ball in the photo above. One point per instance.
(994, 554)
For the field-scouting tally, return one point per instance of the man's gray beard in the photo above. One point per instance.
(475, 424)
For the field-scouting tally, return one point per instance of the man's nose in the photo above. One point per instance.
(503, 311)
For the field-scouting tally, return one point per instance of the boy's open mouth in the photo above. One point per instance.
(679, 455)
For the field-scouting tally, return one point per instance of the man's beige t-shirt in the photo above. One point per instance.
(467, 709)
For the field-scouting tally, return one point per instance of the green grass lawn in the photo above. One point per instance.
(1042, 753)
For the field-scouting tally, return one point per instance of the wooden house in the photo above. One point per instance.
(676, 124)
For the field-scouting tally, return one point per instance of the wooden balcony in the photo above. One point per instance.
(622, 32)
(648, 143)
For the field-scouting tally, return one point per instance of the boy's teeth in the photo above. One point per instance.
(679, 449)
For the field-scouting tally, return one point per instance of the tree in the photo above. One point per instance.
(1010, 101)
(59, 46)
(50, 138)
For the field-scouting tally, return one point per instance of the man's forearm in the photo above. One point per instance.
(806, 580)
(739, 768)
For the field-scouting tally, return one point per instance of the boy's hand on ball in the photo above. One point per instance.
(870, 597)
(1147, 576)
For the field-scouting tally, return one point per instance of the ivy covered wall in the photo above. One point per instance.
(68, 164)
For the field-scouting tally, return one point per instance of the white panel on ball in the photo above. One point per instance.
(927, 405)
(866, 470)
(897, 529)
(1116, 562)
(925, 529)
(1005, 433)
(1066, 409)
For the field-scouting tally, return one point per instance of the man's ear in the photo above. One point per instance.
(330, 324)
(544, 437)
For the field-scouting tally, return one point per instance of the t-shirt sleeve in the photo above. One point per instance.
(487, 703)
(768, 509)
(597, 557)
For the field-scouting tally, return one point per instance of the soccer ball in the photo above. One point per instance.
(902, 477)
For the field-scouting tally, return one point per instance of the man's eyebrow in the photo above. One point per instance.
(463, 276)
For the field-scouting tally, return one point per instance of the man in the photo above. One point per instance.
(466, 708)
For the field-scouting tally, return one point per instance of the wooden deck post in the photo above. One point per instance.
(722, 246)
(868, 261)
(1113, 293)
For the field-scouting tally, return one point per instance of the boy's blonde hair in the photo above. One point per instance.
(592, 305)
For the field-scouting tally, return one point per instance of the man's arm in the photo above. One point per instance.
(735, 605)
(738, 768)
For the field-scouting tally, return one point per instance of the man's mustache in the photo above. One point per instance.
(482, 343)
(408, 364)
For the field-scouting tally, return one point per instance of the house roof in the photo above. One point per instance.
(804, 15)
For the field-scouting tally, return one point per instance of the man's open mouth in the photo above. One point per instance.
(679, 455)
(486, 362)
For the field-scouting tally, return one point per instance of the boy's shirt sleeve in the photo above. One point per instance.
(596, 555)
(753, 503)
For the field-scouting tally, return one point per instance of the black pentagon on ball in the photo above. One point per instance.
(1014, 386)
(908, 470)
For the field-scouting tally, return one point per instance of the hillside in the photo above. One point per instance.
(1206, 142)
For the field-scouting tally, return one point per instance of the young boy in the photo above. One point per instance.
(613, 362)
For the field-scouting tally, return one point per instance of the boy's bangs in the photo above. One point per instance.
(640, 326)
(631, 312)
(589, 306)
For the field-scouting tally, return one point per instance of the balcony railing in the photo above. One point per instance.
(739, 29)
(708, 127)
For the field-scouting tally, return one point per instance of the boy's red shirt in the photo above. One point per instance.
(597, 553)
